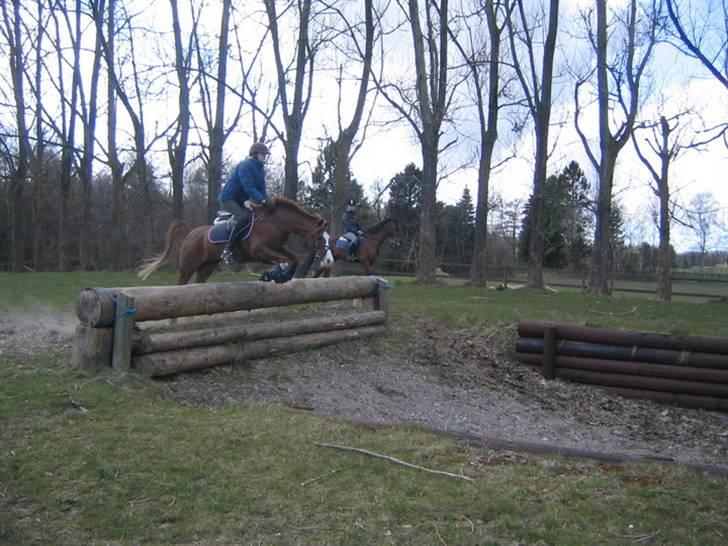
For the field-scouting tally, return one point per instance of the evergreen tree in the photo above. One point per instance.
(319, 195)
(405, 192)
(566, 219)
(456, 230)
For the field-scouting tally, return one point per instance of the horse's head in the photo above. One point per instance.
(391, 226)
(327, 259)
(318, 241)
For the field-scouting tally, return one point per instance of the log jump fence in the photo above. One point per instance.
(685, 370)
(108, 333)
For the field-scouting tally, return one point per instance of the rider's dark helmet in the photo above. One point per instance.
(258, 148)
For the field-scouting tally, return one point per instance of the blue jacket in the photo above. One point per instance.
(246, 182)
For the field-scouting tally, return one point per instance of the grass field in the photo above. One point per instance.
(110, 459)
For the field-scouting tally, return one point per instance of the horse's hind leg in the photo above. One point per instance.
(184, 277)
(204, 272)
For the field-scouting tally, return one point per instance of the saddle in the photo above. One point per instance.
(222, 227)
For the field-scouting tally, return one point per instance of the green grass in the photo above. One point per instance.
(462, 305)
(134, 467)
(110, 459)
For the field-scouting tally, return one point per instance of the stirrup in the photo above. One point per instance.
(227, 256)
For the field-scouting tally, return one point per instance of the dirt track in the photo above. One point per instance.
(462, 380)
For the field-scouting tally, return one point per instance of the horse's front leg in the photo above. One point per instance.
(293, 266)
(279, 256)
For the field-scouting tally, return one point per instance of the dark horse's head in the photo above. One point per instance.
(387, 227)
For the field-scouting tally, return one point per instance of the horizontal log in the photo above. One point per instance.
(716, 390)
(96, 306)
(646, 369)
(171, 362)
(687, 400)
(153, 343)
(528, 328)
(620, 352)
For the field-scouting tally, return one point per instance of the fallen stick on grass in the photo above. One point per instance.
(394, 460)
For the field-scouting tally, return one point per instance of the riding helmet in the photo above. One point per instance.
(258, 148)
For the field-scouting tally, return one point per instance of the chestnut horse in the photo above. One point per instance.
(367, 249)
(272, 224)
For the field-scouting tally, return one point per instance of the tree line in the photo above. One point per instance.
(91, 170)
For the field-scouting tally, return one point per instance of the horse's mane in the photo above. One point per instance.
(280, 201)
(380, 226)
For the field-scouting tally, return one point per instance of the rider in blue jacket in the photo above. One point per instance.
(244, 188)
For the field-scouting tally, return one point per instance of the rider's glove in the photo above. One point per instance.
(248, 204)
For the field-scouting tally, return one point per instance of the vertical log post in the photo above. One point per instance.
(121, 355)
(549, 352)
(379, 300)
(91, 348)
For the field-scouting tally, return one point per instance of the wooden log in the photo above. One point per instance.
(716, 390)
(95, 306)
(91, 348)
(646, 369)
(233, 317)
(619, 352)
(527, 328)
(153, 343)
(687, 400)
(171, 362)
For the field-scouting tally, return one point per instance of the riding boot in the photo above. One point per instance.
(227, 254)
(287, 274)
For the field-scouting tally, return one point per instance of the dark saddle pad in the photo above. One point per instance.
(219, 233)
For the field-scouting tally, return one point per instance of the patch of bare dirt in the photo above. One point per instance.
(460, 380)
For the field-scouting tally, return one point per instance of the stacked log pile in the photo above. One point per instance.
(109, 333)
(685, 370)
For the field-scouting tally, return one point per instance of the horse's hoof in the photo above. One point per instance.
(265, 277)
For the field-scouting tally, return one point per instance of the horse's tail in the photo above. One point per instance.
(176, 232)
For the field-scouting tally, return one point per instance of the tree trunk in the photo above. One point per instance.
(488, 137)
(664, 261)
(427, 262)
(68, 134)
(602, 256)
(536, 240)
(295, 111)
(20, 173)
(345, 139)
(293, 140)
(37, 170)
(89, 143)
(217, 130)
(341, 182)
(117, 248)
(177, 145)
